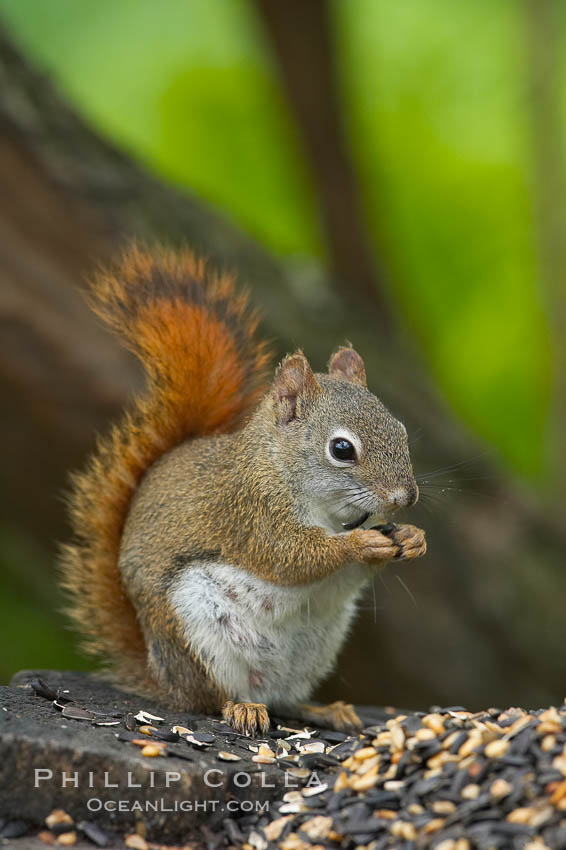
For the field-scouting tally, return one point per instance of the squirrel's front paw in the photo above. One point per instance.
(409, 540)
(247, 718)
(370, 546)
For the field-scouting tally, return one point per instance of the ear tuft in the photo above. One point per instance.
(294, 385)
(347, 365)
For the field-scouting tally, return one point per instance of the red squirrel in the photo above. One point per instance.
(222, 530)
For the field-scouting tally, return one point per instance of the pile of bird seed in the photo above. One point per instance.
(450, 779)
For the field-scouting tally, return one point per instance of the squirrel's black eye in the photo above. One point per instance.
(342, 449)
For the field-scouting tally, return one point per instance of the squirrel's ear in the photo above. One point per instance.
(347, 365)
(294, 385)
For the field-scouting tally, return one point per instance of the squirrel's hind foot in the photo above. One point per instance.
(247, 718)
(339, 715)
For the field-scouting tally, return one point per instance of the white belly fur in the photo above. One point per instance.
(263, 642)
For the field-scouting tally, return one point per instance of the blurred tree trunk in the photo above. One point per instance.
(301, 34)
(489, 594)
(545, 85)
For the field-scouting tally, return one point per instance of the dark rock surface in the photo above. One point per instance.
(91, 769)
(49, 760)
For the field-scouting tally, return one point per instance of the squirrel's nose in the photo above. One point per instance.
(403, 497)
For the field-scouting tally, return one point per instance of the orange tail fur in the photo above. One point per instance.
(196, 339)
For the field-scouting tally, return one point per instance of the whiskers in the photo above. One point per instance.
(405, 587)
(436, 490)
(354, 497)
(374, 607)
(437, 494)
(444, 470)
(416, 436)
(372, 603)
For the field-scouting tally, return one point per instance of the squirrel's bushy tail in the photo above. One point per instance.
(205, 370)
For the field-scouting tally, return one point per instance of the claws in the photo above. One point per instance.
(344, 716)
(247, 718)
(373, 546)
(411, 542)
(387, 542)
(338, 715)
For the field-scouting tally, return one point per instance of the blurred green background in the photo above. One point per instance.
(435, 101)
